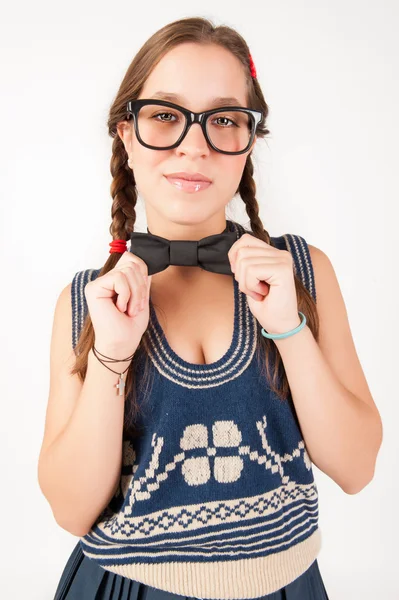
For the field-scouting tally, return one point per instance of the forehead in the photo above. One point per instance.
(198, 77)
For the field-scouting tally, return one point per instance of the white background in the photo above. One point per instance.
(328, 172)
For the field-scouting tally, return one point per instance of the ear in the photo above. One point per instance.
(124, 131)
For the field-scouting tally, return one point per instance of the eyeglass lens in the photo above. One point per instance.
(161, 126)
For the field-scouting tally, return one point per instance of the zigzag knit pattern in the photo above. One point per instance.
(217, 497)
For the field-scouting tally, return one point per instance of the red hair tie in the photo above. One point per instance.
(118, 246)
(252, 66)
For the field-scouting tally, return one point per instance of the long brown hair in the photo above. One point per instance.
(124, 193)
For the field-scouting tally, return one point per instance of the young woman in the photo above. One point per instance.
(202, 382)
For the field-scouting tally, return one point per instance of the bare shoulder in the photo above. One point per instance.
(64, 389)
(335, 337)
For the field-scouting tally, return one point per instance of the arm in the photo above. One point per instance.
(339, 420)
(80, 460)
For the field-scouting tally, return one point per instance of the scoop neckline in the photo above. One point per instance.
(170, 355)
(233, 361)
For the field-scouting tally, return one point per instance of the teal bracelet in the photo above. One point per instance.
(280, 336)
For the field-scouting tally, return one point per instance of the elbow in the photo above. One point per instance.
(353, 489)
(70, 527)
(65, 521)
(356, 486)
(67, 524)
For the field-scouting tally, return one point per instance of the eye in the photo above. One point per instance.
(162, 114)
(227, 119)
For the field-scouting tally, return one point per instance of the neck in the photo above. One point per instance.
(178, 231)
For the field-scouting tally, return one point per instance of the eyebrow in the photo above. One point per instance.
(216, 101)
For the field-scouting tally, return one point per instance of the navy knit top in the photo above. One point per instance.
(217, 497)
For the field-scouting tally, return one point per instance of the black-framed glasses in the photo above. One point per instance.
(162, 125)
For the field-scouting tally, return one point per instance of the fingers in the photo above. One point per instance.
(134, 295)
(134, 289)
(128, 258)
(139, 298)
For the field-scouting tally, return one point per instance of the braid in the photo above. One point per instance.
(123, 192)
(247, 189)
(277, 378)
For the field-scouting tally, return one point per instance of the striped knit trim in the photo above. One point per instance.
(78, 300)
(230, 366)
(299, 249)
(225, 580)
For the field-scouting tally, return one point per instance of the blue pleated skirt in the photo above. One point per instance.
(83, 579)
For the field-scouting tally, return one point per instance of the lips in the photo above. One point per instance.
(188, 176)
(187, 185)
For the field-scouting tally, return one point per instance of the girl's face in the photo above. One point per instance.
(196, 74)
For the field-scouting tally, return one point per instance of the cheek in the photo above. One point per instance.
(145, 158)
(232, 168)
(147, 167)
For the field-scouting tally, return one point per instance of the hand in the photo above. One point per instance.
(114, 305)
(266, 275)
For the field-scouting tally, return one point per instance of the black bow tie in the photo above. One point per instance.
(210, 252)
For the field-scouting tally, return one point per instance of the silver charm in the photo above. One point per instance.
(121, 385)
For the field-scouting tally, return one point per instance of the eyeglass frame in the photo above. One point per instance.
(133, 107)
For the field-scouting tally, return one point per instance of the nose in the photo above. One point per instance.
(194, 141)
